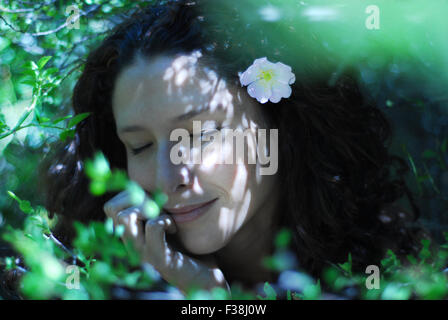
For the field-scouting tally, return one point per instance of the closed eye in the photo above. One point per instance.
(139, 150)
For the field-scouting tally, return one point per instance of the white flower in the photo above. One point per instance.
(268, 81)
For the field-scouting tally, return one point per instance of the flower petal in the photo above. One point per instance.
(260, 61)
(268, 81)
(283, 73)
(260, 90)
(250, 75)
(280, 90)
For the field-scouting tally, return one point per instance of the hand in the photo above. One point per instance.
(149, 238)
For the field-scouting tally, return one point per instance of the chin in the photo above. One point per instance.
(201, 247)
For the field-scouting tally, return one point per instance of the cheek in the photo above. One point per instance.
(232, 184)
(229, 182)
(235, 179)
(141, 172)
(219, 178)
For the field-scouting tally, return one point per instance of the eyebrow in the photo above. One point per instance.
(133, 128)
(191, 114)
(183, 117)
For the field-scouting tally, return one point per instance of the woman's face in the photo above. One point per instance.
(208, 200)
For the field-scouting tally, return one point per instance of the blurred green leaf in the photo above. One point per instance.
(66, 134)
(77, 119)
(283, 238)
(269, 292)
(429, 154)
(42, 62)
(151, 209)
(136, 193)
(347, 266)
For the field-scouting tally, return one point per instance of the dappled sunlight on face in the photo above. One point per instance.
(153, 98)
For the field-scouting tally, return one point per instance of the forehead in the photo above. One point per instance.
(168, 87)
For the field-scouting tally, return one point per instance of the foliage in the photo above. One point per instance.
(104, 262)
(42, 48)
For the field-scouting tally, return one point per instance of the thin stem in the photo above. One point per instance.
(22, 118)
(62, 246)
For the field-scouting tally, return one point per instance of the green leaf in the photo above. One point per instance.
(77, 119)
(26, 207)
(151, 209)
(347, 266)
(29, 73)
(109, 225)
(97, 188)
(220, 294)
(160, 198)
(429, 154)
(43, 61)
(136, 192)
(444, 145)
(29, 81)
(10, 263)
(66, 133)
(98, 169)
(119, 230)
(3, 127)
(30, 65)
(12, 195)
(312, 292)
(412, 259)
(56, 121)
(396, 291)
(101, 271)
(48, 72)
(117, 181)
(48, 86)
(37, 115)
(283, 238)
(425, 253)
(390, 263)
(269, 292)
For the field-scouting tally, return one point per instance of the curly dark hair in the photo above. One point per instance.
(341, 181)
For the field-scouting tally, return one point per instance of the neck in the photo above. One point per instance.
(241, 259)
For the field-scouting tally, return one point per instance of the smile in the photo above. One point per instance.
(191, 212)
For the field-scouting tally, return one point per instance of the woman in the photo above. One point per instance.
(161, 70)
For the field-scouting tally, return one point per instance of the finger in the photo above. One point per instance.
(156, 246)
(169, 224)
(116, 204)
(129, 218)
(120, 202)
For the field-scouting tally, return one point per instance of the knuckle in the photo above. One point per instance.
(152, 225)
(127, 214)
(149, 225)
(120, 220)
(107, 208)
(122, 217)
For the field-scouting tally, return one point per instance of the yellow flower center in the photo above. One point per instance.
(267, 75)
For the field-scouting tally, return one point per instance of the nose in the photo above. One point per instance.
(171, 177)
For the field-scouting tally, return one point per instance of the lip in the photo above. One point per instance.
(191, 212)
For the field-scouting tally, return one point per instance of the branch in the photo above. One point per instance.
(27, 9)
(18, 10)
(10, 26)
(62, 26)
(61, 245)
